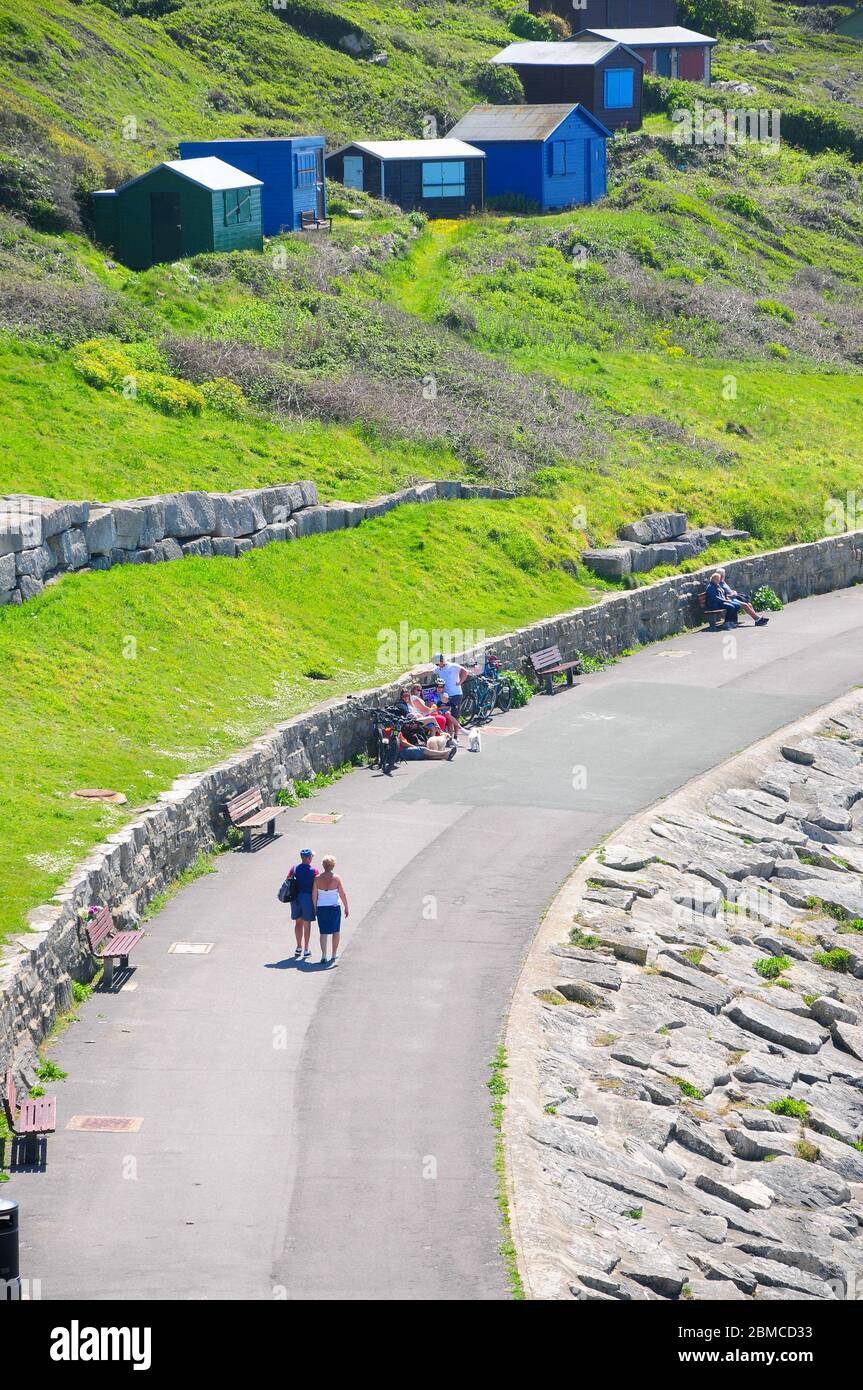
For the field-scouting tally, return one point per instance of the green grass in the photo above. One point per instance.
(221, 651)
(62, 438)
(498, 1087)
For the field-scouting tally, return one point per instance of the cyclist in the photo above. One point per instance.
(453, 677)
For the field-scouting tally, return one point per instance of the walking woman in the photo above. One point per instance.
(328, 898)
(302, 908)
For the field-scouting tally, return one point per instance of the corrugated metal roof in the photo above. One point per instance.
(511, 122)
(556, 55)
(415, 149)
(490, 123)
(672, 34)
(212, 173)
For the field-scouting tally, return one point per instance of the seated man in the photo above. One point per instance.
(438, 749)
(721, 596)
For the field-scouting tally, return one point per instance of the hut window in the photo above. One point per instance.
(444, 180)
(619, 85)
(238, 206)
(307, 170)
(564, 157)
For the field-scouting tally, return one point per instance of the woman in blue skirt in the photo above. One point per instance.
(328, 899)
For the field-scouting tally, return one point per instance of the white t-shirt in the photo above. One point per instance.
(450, 679)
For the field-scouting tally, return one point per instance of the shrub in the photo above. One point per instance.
(112, 366)
(734, 19)
(743, 205)
(518, 203)
(687, 1088)
(522, 690)
(501, 85)
(796, 1109)
(169, 394)
(766, 598)
(810, 1153)
(777, 349)
(833, 960)
(774, 308)
(530, 26)
(224, 396)
(643, 248)
(771, 966)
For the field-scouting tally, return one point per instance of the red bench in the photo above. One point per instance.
(109, 945)
(549, 663)
(36, 1118)
(248, 813)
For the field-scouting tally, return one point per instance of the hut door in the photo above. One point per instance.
(165, 228)
(320, 187)
(353, 171)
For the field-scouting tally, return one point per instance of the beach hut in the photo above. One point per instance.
(604, 76)
(291, 170)
(179, 209)
(443, 178)
(669, 51)
(553, 156)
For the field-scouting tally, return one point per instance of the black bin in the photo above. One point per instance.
(9, 1266)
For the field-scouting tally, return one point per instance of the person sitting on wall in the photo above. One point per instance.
(718, 599)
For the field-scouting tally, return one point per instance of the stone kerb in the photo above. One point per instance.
(136, 863)
(42, 539)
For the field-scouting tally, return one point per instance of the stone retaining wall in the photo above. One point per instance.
(131, 866)
(42, 539)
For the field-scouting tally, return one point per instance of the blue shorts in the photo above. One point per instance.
(302, 907)
(329, 920)
(412, 755)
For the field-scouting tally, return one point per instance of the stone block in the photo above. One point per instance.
(8, 577)
(201, 548)
(69, 549)
(35, 563)
(224, 545)
(29, 587)
(311, 521)
(243, 545)
(235, 516)
(614, 562)
(100, 532)
(276, 504)
(128, 523)
(656, 526)
(189, 514)
(168, 549)
(147, 556)
(152, 511)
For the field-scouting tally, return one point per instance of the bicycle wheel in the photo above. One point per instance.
(467, 714)
(504, 696)
(484, 695)
(391, 753)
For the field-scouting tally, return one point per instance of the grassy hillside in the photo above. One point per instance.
(695, 341)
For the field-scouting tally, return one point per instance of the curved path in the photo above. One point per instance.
(312, 1134)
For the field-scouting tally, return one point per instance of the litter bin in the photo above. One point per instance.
(10, 1285)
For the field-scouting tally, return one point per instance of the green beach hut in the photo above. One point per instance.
(179, 209)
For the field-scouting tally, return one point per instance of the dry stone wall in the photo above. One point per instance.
(42, 539)
(136, 863)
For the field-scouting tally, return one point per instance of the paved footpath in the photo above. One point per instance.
(308, 1133)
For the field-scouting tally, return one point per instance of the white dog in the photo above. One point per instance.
(474, 741)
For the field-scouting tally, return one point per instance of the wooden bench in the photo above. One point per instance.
(548, 663)
(715, 616)
(36, 1118)
(248, 813)
(310, 222)
(110, 946)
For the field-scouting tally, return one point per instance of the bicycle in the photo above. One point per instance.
(387, 724)
(488, 690)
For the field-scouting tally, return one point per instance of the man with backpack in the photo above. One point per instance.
(299, 883)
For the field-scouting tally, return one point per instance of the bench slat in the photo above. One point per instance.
(122, 943)
(101, 926)
(38, 1115)
(244, 805)
(261, 817)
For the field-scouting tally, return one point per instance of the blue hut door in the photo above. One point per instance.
(595, 170)
(353, 170)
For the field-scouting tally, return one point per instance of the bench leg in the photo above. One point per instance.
(108, 971)
(569, 678)
(271, 829)
(247, 840)
(549, 685)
